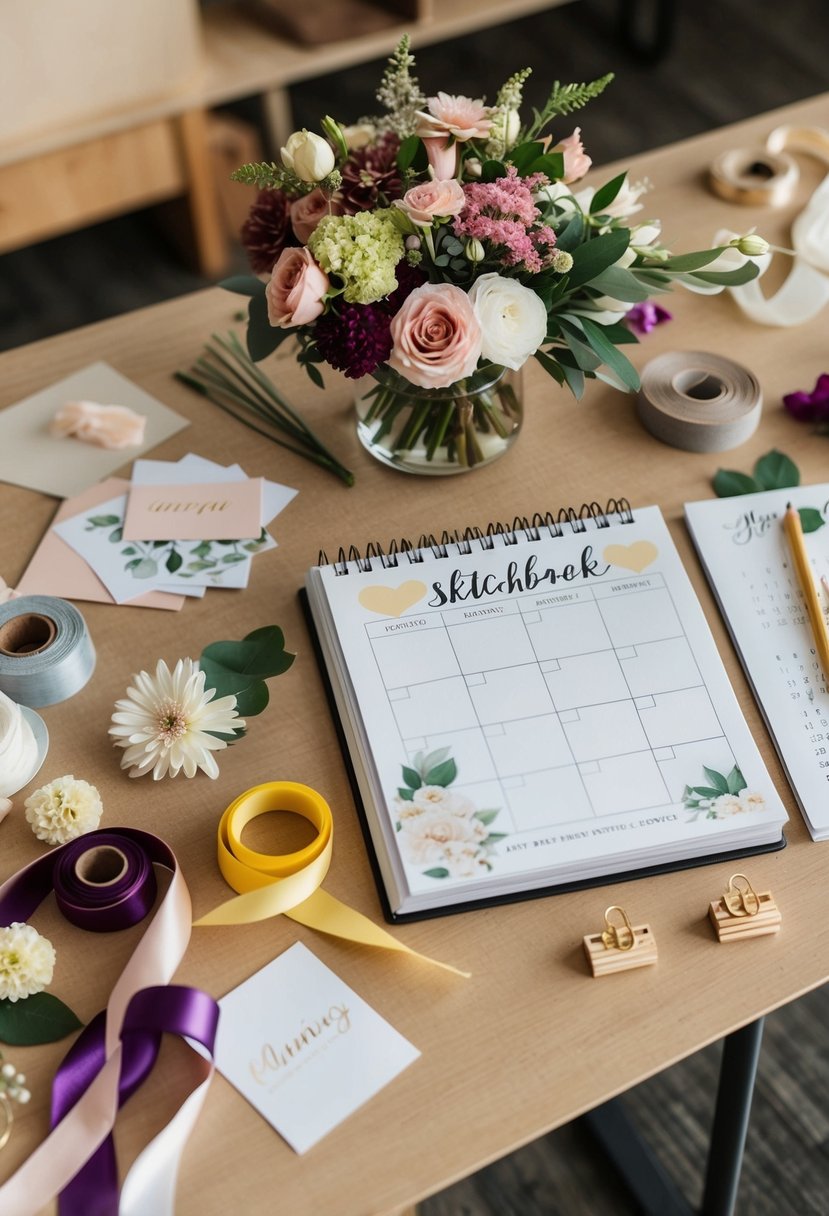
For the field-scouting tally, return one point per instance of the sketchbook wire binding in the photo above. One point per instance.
(521, 529)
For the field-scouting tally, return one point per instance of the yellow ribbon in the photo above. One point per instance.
(290, 883)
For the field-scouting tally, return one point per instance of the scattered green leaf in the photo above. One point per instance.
(41, 1018)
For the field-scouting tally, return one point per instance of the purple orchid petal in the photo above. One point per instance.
(644, 317)
(810, 407)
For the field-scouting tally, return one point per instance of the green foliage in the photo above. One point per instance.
(810, 519)
(240, 668)
(720, 783)
(774, 471)
(40, 1018)
(564, 99)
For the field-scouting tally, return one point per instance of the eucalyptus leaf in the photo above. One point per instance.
(115, 535)
(613, 358)
(716, 779)
(261, 653)
(736, 781)
(103, 521)
(729, 483)
(570, 236)
(729, 278)
(621, 285)
(437, 872)
(550, 365)
(486, 817)
(40, 1018)
(411, 777)
(174, 561)
(776, 471)
(810, 519)
(605, 195)
(693, 261)
(405, 793)
(594, 256)
(442, 774)
(147, 567)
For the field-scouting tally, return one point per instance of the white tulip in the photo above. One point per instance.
(512, 318)
(308, 155)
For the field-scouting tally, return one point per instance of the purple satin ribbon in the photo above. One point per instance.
(94, 1191)
(187, 1012)
(103, 909)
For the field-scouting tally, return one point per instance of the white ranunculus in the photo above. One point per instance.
(308, 155)
(512, 318)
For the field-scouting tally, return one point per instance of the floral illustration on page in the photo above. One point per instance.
(724, 796)
(439, 828)
(148, 559)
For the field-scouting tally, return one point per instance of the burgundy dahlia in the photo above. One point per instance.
(408, 278)
(356, 339)
(267, 230)
(371, 177)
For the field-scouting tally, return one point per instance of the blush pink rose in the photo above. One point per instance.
(308, 210)
(436, 336)
(295, 289)
(424, 203)
(576, 160)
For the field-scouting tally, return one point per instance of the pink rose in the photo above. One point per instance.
(295, 289)
(576, 160)
(308, 210)
(426, 202)
(436, 336)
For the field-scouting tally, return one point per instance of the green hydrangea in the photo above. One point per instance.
(362, 250)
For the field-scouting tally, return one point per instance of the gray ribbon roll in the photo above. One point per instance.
(699, 402)
(46, 653)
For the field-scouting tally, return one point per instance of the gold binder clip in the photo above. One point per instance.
(742, 912)
(618, 937)
(741, 901)
(620, 945)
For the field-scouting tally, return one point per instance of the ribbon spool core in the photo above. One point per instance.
(699, 385)
(102, 866)
(30, 633)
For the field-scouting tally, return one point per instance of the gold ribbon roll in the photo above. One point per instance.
(699, 402)
(754, 177)
(290, 884)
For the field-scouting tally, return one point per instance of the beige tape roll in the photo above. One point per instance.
(699, 402)
(754, 177)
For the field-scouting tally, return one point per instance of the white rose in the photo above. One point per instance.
(752, 801)
(438, 798)
(725, 805)
(308, 155)
(512, 318)
(464, 860)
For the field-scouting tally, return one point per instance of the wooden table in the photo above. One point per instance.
(529, 1042)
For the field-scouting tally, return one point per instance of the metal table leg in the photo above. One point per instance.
(642, 1171)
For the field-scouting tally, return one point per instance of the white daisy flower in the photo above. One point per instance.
(169, 722)
(65, 808)
(27, 962)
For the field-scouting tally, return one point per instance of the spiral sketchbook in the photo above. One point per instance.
(534, 708)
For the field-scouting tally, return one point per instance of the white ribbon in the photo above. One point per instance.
(806, 289)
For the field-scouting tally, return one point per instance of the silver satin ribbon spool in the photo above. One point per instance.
(699, 402)
(754, 177)
(46, 653)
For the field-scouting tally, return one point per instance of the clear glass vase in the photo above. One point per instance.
(439, 431)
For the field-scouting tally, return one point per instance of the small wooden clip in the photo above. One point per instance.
(620, 946)
(741, 912)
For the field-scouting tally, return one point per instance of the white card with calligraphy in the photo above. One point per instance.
(304, 1049)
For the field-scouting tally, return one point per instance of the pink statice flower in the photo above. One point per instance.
(504, 214)
(810, 407)
(644, 317)
(450, 114)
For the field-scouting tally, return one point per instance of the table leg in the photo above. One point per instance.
(642, 1171)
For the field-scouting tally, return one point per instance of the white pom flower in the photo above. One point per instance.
(65, 808)
(169, 722)
(27, 962)
(512, 318)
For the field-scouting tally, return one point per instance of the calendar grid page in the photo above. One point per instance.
(743, 547)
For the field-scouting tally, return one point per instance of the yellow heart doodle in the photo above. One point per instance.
(392, 601)
(637, 556)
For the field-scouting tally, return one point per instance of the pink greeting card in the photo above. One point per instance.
(226, 510)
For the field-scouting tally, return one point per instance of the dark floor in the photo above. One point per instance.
(729, 59)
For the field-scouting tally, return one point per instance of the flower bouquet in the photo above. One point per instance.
(435, 247)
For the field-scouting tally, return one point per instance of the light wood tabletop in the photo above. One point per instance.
(530, 1041)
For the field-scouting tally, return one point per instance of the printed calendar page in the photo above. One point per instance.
(743, 547)
(551, 705)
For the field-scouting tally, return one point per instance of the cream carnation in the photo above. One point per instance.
(512, 318)
(65, 808)
(27, 962)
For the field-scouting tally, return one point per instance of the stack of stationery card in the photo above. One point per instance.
(175, 530)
